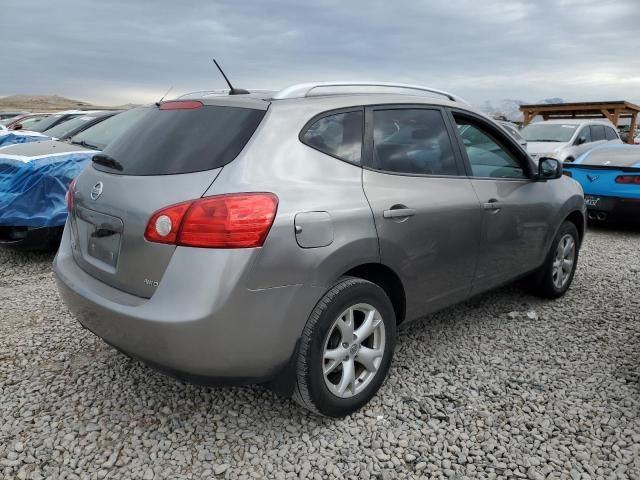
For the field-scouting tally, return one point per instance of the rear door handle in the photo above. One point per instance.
(492, 205)
(399, 213)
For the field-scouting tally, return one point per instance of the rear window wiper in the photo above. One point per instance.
(107, 161)
(82, 143)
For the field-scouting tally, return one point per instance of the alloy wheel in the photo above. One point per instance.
(564, 261)
(353, 350)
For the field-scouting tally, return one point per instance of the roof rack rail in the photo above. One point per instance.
(302, 90)
(219, 91)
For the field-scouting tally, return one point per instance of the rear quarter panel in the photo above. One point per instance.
(305, 180)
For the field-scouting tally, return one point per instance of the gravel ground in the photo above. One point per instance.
(504, 386)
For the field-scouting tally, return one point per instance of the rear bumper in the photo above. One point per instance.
(605, 208)
(211, 330)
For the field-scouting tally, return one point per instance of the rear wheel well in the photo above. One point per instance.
(577, 219)
(386, 279)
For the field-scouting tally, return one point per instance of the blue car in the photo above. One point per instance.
(610, 178)
(34, 179)
(17, 137)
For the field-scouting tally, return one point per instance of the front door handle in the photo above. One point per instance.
(399, 213)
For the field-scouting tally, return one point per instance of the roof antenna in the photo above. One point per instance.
(168, 91)
(232, 91)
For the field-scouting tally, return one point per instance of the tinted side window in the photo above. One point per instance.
(597, 133)
(413, 141)
(339, 135)
(586, 133)
(488, 157)
(610, 133)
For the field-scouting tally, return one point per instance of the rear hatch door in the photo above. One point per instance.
(170, 155)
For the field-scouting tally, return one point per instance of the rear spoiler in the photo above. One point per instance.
(570, 166)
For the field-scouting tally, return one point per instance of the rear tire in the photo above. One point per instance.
(555, 276)
(345, 349)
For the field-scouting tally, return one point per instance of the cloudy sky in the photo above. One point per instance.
(120, 51)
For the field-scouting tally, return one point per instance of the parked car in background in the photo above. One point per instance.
(6, 117)
(281, 239)
(75, 125)
(610, 178)
(52, 120)
(13, 137)
(513, 130)
(25, 121)
(34, 179)
(567, 139)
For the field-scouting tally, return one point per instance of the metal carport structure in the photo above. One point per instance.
(612, 111)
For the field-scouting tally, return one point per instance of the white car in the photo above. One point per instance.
(566, 140)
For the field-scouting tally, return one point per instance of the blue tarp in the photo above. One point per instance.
(15, 137)
(32, 192)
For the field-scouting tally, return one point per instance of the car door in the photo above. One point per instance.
(583, 142)
(426, 213)
(516, 212)
(598, 136)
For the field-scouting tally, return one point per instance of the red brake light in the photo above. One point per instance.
(181, 105)
(628, 179)
(69, 195)
(223, 221)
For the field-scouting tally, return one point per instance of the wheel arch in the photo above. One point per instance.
(388, 280)
(577, 218)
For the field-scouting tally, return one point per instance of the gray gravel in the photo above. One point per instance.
(504, 386)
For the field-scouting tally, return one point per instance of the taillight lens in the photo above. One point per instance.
(223, 221)
(628, 179)
(69, 195)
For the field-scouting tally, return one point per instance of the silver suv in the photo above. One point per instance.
(566, 140)
(282, 238)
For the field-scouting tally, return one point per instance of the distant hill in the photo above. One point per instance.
(510, 108)
(46, 103)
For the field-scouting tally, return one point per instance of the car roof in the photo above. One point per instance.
(576, 121)
(103, 113)
(75, 112)
(378, 93)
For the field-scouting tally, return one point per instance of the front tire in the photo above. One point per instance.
(556, 275)
(346, 348)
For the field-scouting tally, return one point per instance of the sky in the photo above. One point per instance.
(113, 52)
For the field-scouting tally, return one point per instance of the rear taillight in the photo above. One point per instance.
(240, 220)
(567, 173)
(69, 195)
(628, 179)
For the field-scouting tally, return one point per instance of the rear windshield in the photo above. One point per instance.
(49, 121)
(102, 134)
(168, 142)
(65, 128)
(624, 156)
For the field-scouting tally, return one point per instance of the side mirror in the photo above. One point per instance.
(549, 168)
(581, 140)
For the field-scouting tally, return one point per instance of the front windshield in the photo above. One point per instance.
(100, 135)
(65, 128)
(548, 132)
